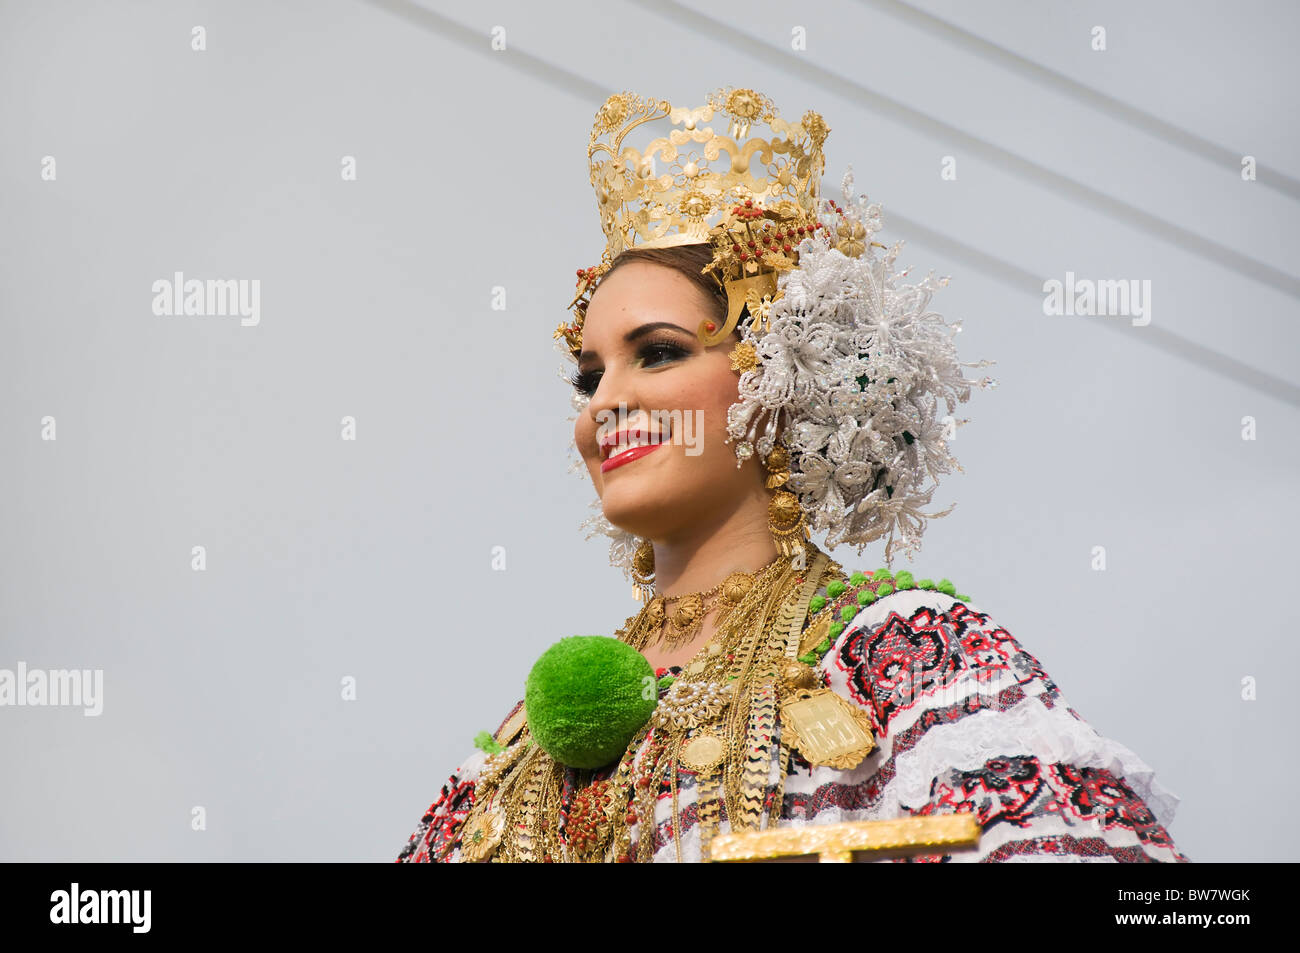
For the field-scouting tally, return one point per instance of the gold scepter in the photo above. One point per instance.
(850, 842)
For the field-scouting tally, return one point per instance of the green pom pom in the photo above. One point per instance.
(961, 598)
(866, 597)
(882, 573)
(848, 612)
(809, 659)
(586, 697)
(816, 603)
(904, 580)
(925, 584)
(835, 629)
(824, 646)
(947, 587)
(835, 588)
(884, 590)
(858, 578)
(485, 742)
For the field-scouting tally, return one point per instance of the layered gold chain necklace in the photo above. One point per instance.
(686, 621)
(715, 720)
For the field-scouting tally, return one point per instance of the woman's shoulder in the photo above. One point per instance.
(438, 834)
(891, 640)
(965, 718)
(858, 598)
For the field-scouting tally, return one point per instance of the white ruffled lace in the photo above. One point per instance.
(1052, 735)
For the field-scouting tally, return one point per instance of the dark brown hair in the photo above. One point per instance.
(688, 260)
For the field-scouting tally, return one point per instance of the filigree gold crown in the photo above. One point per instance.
(753, 199)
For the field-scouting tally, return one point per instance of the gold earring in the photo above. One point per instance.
(643, 571)
(785, 520)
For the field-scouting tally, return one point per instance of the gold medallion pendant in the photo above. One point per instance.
(482, 835)
(703, 753)
(827, 729)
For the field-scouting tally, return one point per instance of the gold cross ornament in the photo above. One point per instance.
(851, 842)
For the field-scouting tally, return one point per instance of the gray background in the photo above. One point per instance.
(373, 558)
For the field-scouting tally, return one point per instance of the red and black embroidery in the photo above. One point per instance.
(439, 831)
(903, 660)
(1096, 793)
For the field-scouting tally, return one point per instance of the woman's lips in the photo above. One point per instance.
(627, 456)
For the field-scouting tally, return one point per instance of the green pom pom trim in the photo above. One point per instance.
(882, 573)
(858, 578)
(925, 584)
(848, 612)
(666, 681)
(884, 590)
(961, 598)
(946, 587)
(485, 742)
(586, 697)
(835, 588)
(866, 597)
(835, 629)
(817, 603)
(814, 656)
(904, 580)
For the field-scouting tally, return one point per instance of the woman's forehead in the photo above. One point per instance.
(639, 292)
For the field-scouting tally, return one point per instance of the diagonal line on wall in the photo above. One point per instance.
(1012, 163)
(1061, 84)
(1174, 345)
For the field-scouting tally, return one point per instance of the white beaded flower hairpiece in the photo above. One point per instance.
(845, 357)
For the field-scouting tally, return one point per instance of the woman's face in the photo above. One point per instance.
(640, 351)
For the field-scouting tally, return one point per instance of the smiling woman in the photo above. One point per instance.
(642, 364)
(788, 694)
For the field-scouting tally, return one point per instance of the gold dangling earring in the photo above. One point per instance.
(785, 520)
(643, 571)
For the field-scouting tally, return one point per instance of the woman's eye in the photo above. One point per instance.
(651, 355)
(658, 353)
(585, 382)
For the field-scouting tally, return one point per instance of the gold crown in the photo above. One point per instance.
(753, 199)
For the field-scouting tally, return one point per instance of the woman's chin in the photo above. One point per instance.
(634, 513)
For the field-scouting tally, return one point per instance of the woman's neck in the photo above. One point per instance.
(707, 554)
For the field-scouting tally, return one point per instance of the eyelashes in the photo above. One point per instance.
(651, 354)
(584, 382)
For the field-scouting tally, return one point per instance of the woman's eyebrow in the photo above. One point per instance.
(652, 326)
(639, 331)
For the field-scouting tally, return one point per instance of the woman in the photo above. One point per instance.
(738, 386)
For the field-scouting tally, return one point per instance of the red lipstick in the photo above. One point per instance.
(611, 441)
(627, 456)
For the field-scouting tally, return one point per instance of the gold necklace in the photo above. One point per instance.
(683, 625)
(714, 722)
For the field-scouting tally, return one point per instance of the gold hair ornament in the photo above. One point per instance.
(752, 198)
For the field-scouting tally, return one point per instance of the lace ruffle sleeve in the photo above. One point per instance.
(967, 721)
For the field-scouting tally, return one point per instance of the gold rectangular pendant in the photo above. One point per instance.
(828, 729)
